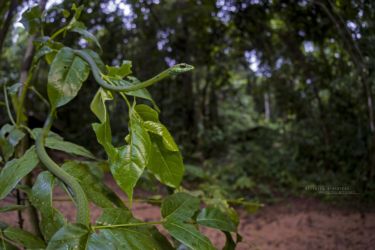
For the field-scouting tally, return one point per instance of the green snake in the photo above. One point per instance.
(83, 215)
(79, 195)
(174, 70)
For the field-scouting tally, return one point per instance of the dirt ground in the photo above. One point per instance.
(298, 223)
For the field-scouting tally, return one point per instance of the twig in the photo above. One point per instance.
(126, 225)
(7, 105)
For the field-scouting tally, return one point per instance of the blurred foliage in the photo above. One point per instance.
(281, 96)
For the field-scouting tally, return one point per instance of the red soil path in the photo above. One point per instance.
(291, 224)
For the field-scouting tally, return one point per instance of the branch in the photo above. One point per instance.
(126, 225)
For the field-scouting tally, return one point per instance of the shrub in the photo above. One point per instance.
(147, 147)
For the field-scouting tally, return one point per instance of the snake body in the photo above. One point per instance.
(174, 70)
(79, 195)
(83, 215)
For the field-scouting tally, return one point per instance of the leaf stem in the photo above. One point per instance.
(7, 106)
(3, 239)
(244, 202)
(10, 113)
(156, 201)
(57, 33)
(126, 99)
(28, 130)
(106, 78)
(126, 225)
(41, 97)
(22, 95)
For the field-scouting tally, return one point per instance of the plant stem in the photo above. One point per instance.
(148, 200)
(19, 212)
(126, 100)
(239, 202)
(21, 121)
(3, 239)
(58, 199)
(7, 106)
(27, 70)
(57, 33)
(22, 96)
(38, 94)
(126, 225)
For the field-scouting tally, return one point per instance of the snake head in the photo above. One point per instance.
(180, 68)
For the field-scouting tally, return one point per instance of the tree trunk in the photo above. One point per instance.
(7, 22)
(267, 106)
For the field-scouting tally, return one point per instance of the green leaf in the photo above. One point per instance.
(14, 88)
(7, 149)
(70, 236)
(144, 94)
(25, 238)
(120, 72)
(50, 57)
(188, 235)
(68, 147)
(12, 208)
(179, 206)
(103, 129)
(218, 201)
(55, 48)
(147, 113)
(31, 19)
(4, 245)
(250, 206)
(10, 136)
(213, 217)
(104, 137)
(15, 136)
(132, 159)
(65, 78)
(94, 188)
(143, 237)
(165, 159)
(99, 242)
(81, 29)
(15, 170)
(55, 141)
(41, 198)
(130, 81)
(167, 166)
(77, 10)
(196, 171)
(44, 50)
(7, 246)
(65, 13)
(98, 106)
(161, 130)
